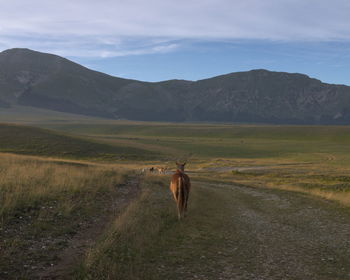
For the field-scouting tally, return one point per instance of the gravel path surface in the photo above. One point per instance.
(248, 233)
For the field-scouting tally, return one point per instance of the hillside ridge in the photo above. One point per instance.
(48, 81)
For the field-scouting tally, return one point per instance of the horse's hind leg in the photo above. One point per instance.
(183, 205)
(179, 210)
(177, 201)
(186, 200)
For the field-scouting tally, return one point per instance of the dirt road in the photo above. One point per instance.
(245, 233)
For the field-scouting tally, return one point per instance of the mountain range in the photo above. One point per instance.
(31, 78)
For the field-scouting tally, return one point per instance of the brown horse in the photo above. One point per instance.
(180, 186)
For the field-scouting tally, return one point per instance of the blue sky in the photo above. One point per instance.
(194, 39)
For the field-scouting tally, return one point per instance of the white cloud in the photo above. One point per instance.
(131, 27)
(90, 46)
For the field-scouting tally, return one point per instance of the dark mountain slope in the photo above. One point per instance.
(52, 82)
(264, 96)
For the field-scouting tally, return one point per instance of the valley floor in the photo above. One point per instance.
(231, 232)
(266, 203)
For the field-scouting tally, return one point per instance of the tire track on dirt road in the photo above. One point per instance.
(81, 242)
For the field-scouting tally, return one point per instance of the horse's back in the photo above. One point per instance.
(185, 180)
(175, 178)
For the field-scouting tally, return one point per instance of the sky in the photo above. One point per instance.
(154, 40)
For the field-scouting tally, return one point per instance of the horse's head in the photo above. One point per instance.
(181, 166)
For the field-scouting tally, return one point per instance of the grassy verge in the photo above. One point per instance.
(43, 204)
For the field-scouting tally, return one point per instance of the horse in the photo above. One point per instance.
(161, 170)
(180, 186)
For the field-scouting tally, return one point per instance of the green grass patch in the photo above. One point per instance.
(42, 142)
(297, 143)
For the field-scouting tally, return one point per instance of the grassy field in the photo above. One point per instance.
(36, 141)
(313, 159)
(59, 177)
(229, 141)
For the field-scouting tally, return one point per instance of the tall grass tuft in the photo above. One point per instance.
(44, 203)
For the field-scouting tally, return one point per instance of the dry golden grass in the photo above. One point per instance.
(319, 178)
(25, 181)
(45, 202)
